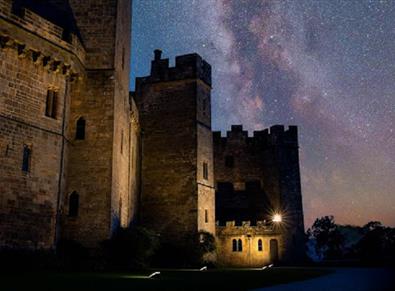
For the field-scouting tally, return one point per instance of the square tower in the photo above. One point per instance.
(177, 198)
(101, 171)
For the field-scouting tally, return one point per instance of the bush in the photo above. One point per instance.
(131, 248)
(72, 255)
(191, 250)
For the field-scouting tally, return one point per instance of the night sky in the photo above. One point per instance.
(326, 66)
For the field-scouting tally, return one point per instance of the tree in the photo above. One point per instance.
(328, 239)
(378, 243)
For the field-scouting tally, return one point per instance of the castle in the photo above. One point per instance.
(81, 156)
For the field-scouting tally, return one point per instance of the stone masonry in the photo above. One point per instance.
(177, 196)
(81, 156)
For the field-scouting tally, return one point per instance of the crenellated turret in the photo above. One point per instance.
(190, 66)
(276, 135)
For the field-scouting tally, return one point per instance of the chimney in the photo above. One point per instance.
(158, 54)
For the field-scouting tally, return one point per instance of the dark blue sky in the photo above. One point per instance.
(326, 66)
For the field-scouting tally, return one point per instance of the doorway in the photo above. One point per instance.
(273, 250)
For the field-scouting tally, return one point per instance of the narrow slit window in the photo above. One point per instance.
(27, 152)
(123, 58)
(206, 216)
(205, 171)
(74, 204)
(80, 129)
(52, 99)
(122, 142)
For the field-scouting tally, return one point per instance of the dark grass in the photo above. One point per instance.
(168, 280)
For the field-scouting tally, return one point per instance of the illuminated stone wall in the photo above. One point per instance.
(33, 59)
(250, 255)
(89, 69)
(100, 169)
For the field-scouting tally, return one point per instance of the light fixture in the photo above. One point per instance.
(277, 217)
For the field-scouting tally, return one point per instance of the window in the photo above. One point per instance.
(234, 245)
(123, 58)
(80, 130)
(122, 142)
(27, 152)
(74, 203)
(229, 162)
(204, 106)
(205, 171)
(260, 247)
(205, 215)
(239, 245)
(52, 99)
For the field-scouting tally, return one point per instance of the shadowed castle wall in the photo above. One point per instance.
(271, 158)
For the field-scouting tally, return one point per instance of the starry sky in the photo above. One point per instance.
(326, 66)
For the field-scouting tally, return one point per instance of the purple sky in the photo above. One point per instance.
(326, 66)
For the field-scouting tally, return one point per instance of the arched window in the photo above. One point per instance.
(260, 247)
(240, 245)
(80, 129)
(234, 245)
(74, 203)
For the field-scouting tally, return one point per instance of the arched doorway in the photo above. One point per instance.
(273, 250)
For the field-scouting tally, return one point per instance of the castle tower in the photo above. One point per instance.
(177, 197)
(40, 57)
(101, 172)
(257, 177)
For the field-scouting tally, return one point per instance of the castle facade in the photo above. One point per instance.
(81, 157)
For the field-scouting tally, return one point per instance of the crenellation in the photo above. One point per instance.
(190, 66)
(68, 120)
(275, 135)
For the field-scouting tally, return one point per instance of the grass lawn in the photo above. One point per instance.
(168, 280)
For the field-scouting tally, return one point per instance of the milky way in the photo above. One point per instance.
(326, 66)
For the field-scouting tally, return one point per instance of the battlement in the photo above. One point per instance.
(276, 134)
(246, 227)
(190, 66)
(16, 13)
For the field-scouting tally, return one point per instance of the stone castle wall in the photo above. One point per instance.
(270, 160)
(176, 142)
(103, 101)
(250, 255)
(33, 59)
